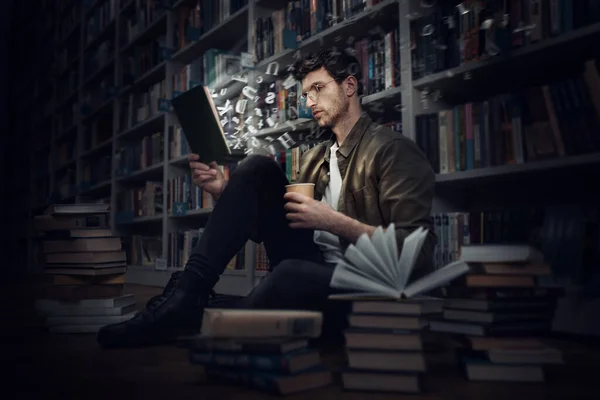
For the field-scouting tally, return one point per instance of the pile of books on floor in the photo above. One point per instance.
(86, 266)
(388, 346)
(264, 349)
(498, 312)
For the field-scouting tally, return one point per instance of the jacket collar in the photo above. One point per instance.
(352, 139)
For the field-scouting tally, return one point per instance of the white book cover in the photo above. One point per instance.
(88, 320)
(51, 304)
(85, 311)
(373, 268)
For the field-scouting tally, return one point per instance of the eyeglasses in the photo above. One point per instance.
(315, 91)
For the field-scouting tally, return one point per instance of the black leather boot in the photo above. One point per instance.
(177, 311)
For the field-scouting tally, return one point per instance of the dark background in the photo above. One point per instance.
(13, 159)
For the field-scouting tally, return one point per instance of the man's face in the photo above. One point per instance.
(325, 97)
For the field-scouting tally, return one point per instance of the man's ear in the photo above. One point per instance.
(351, 86)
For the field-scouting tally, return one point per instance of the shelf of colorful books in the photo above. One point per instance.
(514, 68)
(560, 163)
(224, 36)
(152, 172)
(152, 124)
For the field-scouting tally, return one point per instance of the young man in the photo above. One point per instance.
(366, 175)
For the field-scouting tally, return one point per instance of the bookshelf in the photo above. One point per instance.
(415, 95)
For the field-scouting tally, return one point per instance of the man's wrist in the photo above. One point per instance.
(217, 196)
(349, 228)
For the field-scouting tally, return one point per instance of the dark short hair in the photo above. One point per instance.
(338, 62)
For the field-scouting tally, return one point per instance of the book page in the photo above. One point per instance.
(344, 279)
(411, 247)
(421, 237)
(352, 269)
(385, 252)
(390, 243)
(216, 114)
(356, 258)
(436, 279)
(367, 248)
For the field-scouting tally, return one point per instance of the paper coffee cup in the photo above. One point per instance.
(307, 189)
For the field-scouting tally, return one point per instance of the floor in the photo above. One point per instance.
(74, 367)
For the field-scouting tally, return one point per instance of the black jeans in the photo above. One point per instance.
(252, 207)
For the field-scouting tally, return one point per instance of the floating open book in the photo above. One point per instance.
(372, 267)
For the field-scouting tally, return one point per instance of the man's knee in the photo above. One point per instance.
(258, 163)
(288, 271)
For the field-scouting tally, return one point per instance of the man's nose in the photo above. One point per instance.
(309, 102)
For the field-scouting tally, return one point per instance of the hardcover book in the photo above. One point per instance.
(201, 124)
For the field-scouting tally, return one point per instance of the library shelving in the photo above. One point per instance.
(122, 61)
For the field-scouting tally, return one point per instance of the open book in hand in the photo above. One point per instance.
(372, 267)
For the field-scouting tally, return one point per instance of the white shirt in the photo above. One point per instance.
(327, 242)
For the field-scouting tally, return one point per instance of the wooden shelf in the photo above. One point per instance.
(156, 74)
(101, 72)
(520, 169)
(108, 31)
(97, 190)
(153, 172)
(515, 68)
(155, 28)
(224, 35)
(142, 220)
(383, 15)
(203, 213)
(144, 128)
(104, 146)
(102, 109)
(181, 161)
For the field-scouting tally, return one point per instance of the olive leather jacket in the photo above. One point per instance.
(385, 179)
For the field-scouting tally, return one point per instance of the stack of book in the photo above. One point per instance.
(388, 347)
(86, 266)
(264, 349)
(498, 310)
